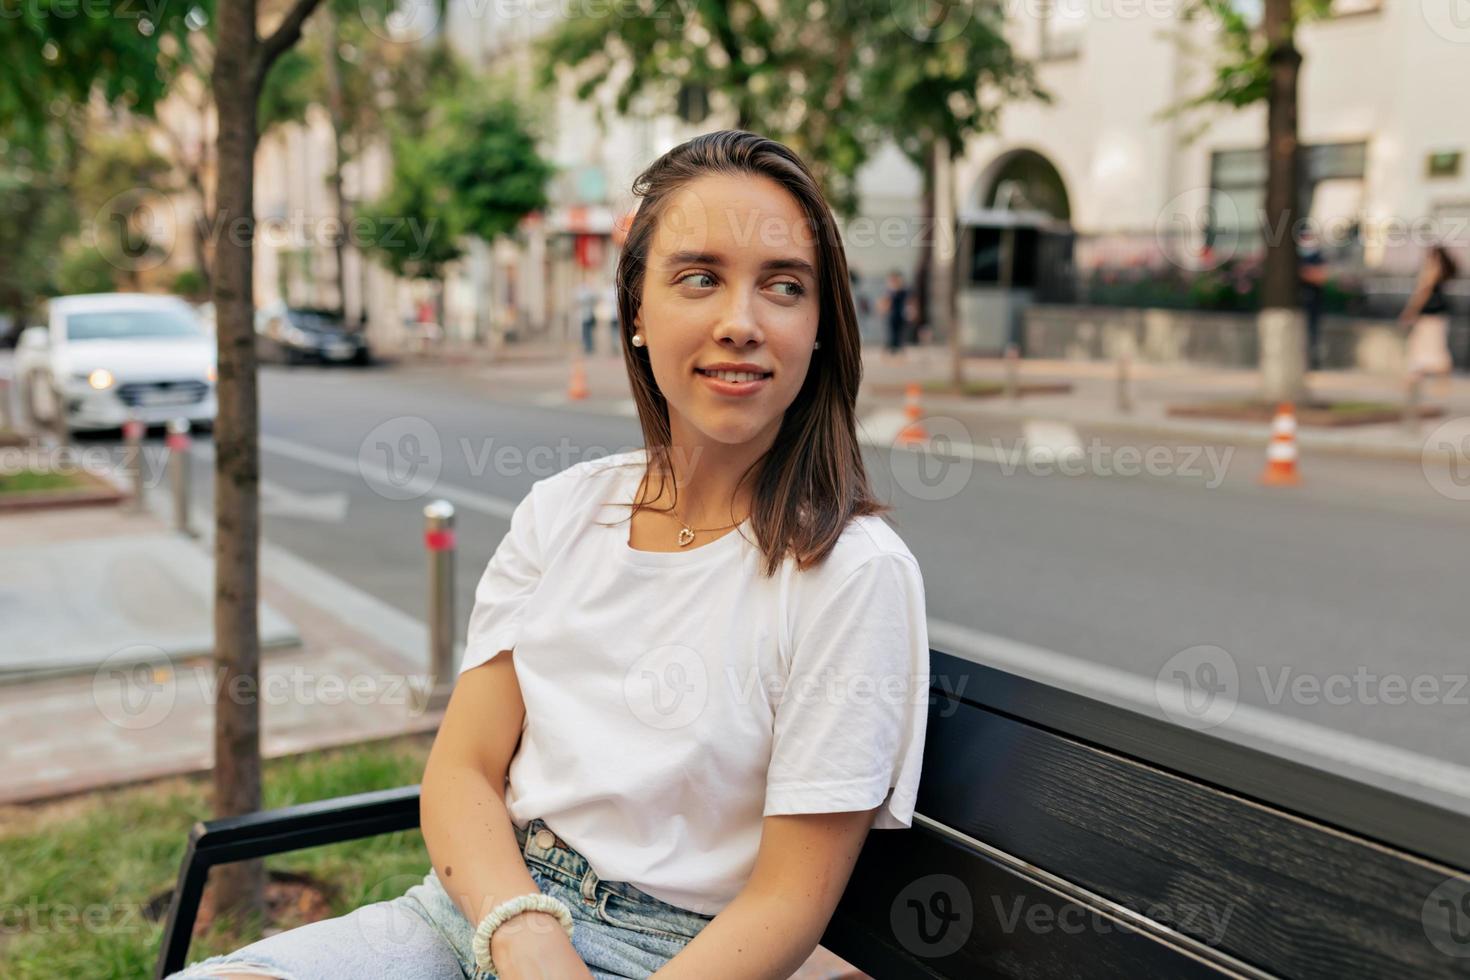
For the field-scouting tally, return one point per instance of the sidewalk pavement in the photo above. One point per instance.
(1091, 405)
(346, 675)
(89, 589)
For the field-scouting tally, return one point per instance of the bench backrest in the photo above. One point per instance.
(1059, 836)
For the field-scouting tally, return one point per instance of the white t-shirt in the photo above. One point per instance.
(657, 735)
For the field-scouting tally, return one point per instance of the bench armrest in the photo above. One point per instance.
(279, 831)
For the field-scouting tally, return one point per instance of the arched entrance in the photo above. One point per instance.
(1024, 180)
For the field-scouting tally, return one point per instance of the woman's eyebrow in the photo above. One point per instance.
(710, 258)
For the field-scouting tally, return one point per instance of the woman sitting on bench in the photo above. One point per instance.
(697, 673)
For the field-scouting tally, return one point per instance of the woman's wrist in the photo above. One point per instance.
(521, 929)
(516, 922)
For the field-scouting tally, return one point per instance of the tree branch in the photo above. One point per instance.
(286, 34)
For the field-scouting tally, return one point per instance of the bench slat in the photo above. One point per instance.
(1281, 892)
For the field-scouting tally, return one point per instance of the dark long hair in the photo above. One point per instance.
(811, 482)
(1447, 268)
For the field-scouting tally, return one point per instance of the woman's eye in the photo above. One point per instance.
(797, 289)
(697, 275)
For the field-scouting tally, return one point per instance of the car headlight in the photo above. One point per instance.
(100, 379)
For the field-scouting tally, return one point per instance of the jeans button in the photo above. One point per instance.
(544, 839)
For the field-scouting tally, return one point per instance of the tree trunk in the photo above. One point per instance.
(337, 111)
(920, 287)
(1281, 327)
(239, 887)
(942, 279)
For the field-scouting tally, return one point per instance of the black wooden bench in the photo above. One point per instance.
(1060, 836)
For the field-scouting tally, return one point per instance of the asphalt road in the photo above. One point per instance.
(1328, 622)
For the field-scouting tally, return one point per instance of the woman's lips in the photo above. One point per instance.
(738, 389)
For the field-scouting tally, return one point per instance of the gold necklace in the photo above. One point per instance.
(686, 533)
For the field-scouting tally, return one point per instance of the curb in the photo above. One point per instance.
(426, 724)
(1339, 444)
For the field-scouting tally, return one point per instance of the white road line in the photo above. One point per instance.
(367, 472)
(1270, 731)
(1050, 440)
(282, 501)
(879, 429)
(405, 635)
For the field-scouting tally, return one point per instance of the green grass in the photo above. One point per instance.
(79, 872)
(27, 481)
(1355, 407)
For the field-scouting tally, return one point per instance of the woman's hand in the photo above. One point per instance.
(534, 946)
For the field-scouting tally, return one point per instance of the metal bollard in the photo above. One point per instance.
(60, 427)
(133, 439)
(1013, 370)
(439, 542)
(1125, 394)
(1411, 402)
(178, 464)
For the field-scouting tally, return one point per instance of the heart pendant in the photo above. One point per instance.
(685, 536)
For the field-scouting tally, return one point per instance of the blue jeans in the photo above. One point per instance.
(617, 929)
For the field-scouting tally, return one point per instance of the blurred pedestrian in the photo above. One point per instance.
(587, 311)
(1426, 318)
(1312, 270)
(895, 303)
(610, 301)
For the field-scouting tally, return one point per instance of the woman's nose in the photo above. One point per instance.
(737, 320)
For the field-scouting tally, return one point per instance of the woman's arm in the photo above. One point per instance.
(468, 830)
(1423, 286)
(777, 920)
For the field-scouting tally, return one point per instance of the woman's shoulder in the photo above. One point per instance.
(867, 543)
(590, 473)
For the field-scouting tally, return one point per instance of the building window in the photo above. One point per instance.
(1329, 188)
(1443, 163)
(1062, 22)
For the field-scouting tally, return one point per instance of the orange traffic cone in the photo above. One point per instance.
(912, 433)
(577, 387)
(1281, 452)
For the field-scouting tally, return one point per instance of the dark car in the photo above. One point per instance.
(297, 334)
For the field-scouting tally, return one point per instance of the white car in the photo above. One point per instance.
(104, 356)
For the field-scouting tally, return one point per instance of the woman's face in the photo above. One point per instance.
(731, 279)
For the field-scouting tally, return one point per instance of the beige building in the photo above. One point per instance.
(1384, 137)
(1384, 162)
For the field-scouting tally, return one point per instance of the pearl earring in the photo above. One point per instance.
(816, 345)
(637, 340)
